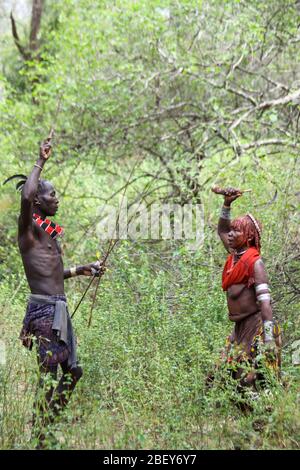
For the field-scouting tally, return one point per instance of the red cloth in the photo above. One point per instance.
(241, 272)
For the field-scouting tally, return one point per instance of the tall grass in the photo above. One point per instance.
(145, 360)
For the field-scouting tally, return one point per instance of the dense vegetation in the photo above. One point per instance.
(176, 96)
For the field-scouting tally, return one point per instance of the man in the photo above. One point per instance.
(248, 295)
(47, 316)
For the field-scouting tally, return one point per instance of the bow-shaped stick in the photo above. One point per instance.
(112, 245)
(113, 242)
(102, 261)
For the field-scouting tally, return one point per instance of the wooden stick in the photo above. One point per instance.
(51, 133)
(218, 190)
(83, 296)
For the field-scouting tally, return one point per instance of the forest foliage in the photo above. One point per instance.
(176, 96)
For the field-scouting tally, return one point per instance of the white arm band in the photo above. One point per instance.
(73, 271)
(262, 287)
(262, 297)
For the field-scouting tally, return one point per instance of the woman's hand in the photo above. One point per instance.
(231, 194)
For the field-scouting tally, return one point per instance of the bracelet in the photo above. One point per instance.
(73, 271)
(225, 213)
(261, 288)
(262, 297)
(268, 330)
(38, 166)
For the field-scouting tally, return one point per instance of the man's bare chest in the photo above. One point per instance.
(43, 250)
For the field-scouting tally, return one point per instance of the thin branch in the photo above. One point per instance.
(242, 94)
(266, 105)
(262, 143)
(25, 54)
(267, 79)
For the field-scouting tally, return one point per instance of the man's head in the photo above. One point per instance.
(46, 202)
(244, 232)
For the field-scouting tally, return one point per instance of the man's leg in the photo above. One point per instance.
(42, 414)
(65, 387)
(47, 374)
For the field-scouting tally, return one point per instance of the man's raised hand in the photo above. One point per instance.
(45, 149)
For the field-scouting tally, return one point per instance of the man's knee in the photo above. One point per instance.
(76, 373)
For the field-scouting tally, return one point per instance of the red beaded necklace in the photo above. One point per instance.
(53, 229)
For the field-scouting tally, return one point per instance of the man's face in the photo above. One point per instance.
(48, 199)
(236, 239)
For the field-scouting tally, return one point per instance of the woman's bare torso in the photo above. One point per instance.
(241, 299)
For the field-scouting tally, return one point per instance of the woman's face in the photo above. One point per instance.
(236, 238)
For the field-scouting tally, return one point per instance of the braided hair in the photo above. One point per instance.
(251, 229)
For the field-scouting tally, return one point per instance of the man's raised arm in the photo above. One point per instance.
(30, 188)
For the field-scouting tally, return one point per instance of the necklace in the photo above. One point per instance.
(237, 256)
(240, 253)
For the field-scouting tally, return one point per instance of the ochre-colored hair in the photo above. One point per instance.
(251, 229)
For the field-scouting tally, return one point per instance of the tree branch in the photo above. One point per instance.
(266, 105)
(25, 54)
(262, 143)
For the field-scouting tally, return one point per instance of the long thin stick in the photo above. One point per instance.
(51, 133)
(57, 111)
(83, 296)
(112, 245)
(110, 248)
